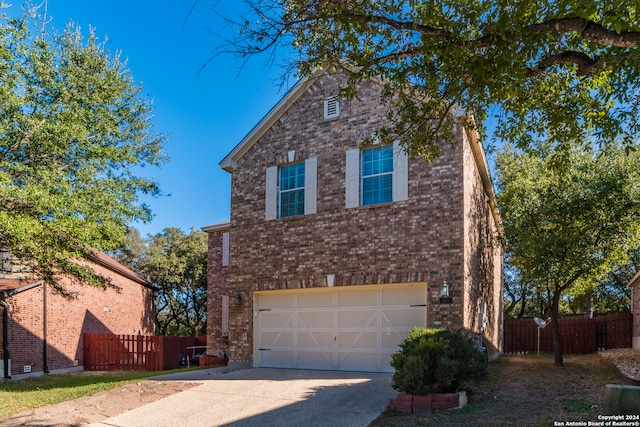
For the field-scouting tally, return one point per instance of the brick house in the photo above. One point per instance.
(634, 284)
(334, 251)
(42, 331)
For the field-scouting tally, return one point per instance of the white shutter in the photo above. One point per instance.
(271, 194)
(400, 173)
(310, 185)
(225, 249)
(352, 181)
(225, 315)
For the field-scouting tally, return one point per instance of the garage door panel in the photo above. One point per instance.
(276, 359)
(392, 339)
(274, 319)
(315, 360)
(275, 301)
(315, 300)
(358, 340)
(404, 296)
(315, 339)
(357, 318)
(351, 361)
(315, 319)
(277, 339)
(408, 317)
(353, 298)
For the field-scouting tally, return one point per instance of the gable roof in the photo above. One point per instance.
(113, 265)
(230, 162)
(10, 287)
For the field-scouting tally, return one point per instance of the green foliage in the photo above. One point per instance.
(177, 264)
(564, 71)
(74, 132)
(436, 361)
(568, 227)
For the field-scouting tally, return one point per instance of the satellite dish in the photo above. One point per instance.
(540, 322)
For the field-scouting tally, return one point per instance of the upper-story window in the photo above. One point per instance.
(291, 199)
(291, 189)
(376, 175)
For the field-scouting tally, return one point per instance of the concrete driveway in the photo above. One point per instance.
(266, 397)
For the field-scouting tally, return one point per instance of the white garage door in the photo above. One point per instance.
(351, 328)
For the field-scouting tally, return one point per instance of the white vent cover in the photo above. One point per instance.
(331, 107)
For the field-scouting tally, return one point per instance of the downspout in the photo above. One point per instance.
(5, 338)
(45, 366)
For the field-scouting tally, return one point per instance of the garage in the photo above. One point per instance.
(349, 328)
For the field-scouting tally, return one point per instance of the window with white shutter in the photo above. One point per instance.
(376, 175)
(225, 249)
(291, 190)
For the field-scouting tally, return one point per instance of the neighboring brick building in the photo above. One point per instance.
(335, 251)
(43, 331)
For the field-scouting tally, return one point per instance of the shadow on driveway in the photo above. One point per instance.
(267, 397)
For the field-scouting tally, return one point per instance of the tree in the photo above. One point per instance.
(565, 71)
(74, 131)
(568, 227)
(177, 264)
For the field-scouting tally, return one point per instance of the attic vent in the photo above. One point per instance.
(331, 107)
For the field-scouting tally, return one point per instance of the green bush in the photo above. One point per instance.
(436, 361)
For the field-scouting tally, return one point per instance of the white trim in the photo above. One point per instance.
(216, 227)
(230, 162)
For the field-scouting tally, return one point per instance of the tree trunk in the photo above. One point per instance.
(555, 330)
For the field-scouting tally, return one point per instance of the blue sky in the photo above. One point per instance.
(205, 115)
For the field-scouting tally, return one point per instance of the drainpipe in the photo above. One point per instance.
(5, 338)
(45, 365)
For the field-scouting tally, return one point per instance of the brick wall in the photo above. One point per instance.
(131, 310)
(217, 288)
(483, 258)
(420, 239)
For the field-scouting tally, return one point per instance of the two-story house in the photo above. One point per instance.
(334, 251)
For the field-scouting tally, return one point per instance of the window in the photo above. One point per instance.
(376, 175)
(291, 190)
(225, 249)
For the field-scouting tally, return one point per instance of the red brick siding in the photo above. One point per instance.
(217, 286)
(130, 311)
(415, 240)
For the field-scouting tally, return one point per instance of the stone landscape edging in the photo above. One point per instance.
(414, 404)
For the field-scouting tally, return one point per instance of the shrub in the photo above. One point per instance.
(436, 361)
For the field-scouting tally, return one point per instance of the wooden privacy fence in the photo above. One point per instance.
(103, 352)
(579, 335)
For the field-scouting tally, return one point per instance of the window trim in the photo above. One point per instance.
(374, 175)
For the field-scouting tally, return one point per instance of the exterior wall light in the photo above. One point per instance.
(444, 293)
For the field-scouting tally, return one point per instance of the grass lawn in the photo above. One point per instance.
(526, 390)
(31, 393)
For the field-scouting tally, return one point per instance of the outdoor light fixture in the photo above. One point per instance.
(237, 298)
(444, 293)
